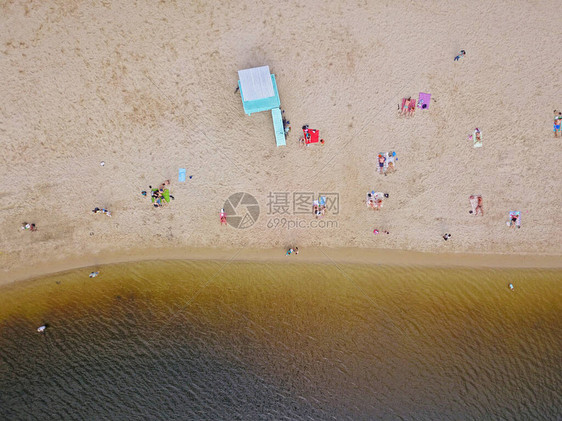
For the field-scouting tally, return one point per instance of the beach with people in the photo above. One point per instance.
(280, 210)
(145, 94)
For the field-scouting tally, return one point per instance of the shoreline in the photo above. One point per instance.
(365, 256)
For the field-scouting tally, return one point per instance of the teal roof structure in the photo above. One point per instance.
(258, 90)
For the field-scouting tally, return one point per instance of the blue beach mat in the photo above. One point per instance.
(181, 175)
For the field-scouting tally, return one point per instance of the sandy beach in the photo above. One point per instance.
(149, 87)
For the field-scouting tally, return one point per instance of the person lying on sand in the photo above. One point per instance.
(28, 227)
(382, 160)
(460, 55)
(412, 107)
(479, 207)
(390, 168)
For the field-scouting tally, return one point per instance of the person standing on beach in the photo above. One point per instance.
(557, 122)
(461, 54)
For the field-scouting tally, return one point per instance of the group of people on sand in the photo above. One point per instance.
(384, 167)
(26, 226)
(160, 196)
(374, 200)
(319, 210)
(408, 106)
(292, 250)
(102, 210)
(557, 123)
(476, 202)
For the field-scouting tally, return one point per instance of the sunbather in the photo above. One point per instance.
(28, 227)
(476, 203)
(479, 207)
(382, 160)
(412, 107)
(514, 221)
(405, 105)
(223, 217)
(461, 54)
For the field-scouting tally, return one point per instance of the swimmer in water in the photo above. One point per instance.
(511, 287)
(94, 274)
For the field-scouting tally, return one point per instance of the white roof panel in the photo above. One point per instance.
(256, 83)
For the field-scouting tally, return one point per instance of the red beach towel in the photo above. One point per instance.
(314, 135)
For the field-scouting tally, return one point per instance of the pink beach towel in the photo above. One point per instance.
(424, 100)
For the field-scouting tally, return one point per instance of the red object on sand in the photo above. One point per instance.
(311, 135)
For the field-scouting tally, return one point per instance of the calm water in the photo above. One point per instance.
(201, 340)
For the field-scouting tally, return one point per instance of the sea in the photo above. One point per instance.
(215, 340)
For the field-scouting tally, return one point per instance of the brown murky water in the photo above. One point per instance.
(171, 340)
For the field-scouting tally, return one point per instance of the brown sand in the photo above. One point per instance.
(149, 87)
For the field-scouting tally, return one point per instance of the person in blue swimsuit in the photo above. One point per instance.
(461, 54)
(557, 122)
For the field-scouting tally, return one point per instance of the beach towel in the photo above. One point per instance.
(391, 157)
(166, 195)
(403, 105)
(424, 100)
(181, 175)
(313, 136)
(475, 142)
(474, 203)
(322, 200)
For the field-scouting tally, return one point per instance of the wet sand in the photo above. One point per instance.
(329, 256)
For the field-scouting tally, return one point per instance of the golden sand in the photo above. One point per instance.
(149, 88)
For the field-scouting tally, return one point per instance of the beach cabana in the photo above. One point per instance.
(259, 93)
